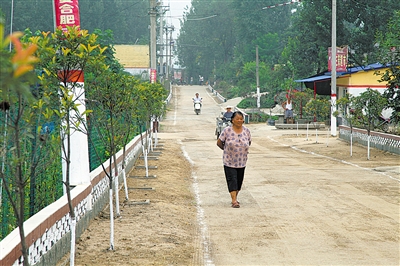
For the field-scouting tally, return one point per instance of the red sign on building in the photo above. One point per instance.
(66, 13)
(341, 58)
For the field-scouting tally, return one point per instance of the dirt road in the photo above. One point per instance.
(305, 201)
(298, 206)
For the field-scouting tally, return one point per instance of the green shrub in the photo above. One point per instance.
(222, 87)
(260, 117)
(247, 103)
(251, 102)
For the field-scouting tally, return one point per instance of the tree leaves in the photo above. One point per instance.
(297, 41)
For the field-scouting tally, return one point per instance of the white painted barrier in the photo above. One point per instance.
(382, 141)
(50, 227)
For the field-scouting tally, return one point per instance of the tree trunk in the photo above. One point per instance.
(111, 218)
(144, 150)
(21, 192)
(155, 133)
(351, 144)
(116, 181)
(149, 142)
(21, 228)
(125, 184)
(118, 213)
(73, 237)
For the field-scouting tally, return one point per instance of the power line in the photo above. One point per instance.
(202, 18)
(283, 4)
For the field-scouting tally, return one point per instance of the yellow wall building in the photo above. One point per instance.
(134, 58)
(357, 81)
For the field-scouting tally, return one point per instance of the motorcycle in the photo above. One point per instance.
(197, 106)
(382, 123)
(221, 124)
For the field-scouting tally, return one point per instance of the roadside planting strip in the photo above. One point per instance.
(334, 159)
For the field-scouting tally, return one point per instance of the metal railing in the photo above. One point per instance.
(378, 140)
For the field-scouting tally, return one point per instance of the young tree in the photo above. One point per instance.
(247, 77)
(22, 112)
(389, 53)
(347, 113)
(64, 57)
(368, 107)
(300, 99)
(150, 103)
(129, 117)
(112, 96)
(319, 108)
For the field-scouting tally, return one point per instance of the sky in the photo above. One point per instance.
(177, 7)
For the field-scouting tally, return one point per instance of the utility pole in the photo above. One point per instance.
(166, 53)
(165, 9)
(258, 79)
(168, 48)
(162, 45)
(153, 43)
(333, 71)
(171, 44)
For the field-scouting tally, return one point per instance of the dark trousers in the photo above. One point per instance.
(234, 178)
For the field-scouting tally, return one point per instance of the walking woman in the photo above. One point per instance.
(235, 141)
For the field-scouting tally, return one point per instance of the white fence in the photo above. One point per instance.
(219, 96)
(382, 141)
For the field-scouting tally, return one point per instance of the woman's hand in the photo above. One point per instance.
(220, 144)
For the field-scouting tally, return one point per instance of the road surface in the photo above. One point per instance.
(297, 207)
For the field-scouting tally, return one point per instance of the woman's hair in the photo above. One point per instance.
(236, 113)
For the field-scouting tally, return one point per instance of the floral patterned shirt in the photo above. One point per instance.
(236, 147)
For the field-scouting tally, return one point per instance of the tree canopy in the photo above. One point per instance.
(217, 39)
(128, 20)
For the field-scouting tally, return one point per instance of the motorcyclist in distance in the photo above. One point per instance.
(228, 114)
(197, 98)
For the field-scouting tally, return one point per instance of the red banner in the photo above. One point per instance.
(341, 58)
(177, 74)
(66, 13)
(153, 76)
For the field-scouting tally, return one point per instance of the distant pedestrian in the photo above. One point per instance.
(235, 141)
(201, 80)
(288, 107)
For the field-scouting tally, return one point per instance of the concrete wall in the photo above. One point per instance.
(382, 141)
(48, 231)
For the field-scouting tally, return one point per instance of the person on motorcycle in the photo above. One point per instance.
(228, 114)
(197, 98)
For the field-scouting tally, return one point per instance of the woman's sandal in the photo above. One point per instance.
(235, 205)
